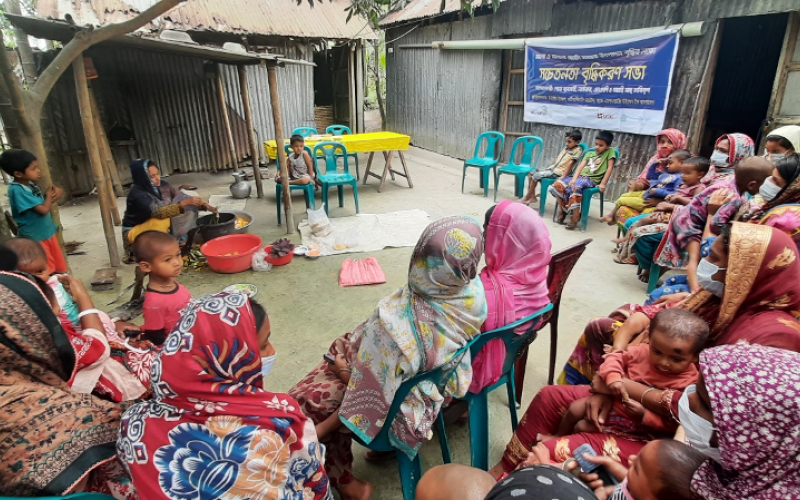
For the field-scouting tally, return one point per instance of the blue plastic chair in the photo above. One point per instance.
(305, 131)
(344, 130)
(479, 403)
(329, 152)
(545, 184)
(307, 189)
(526, 165)
(73, 496)
(411, 469)
(494, 148)
(655, 274)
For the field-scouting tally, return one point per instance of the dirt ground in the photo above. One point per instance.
(308, 309)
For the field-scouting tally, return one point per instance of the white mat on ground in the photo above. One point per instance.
(227, 203)
(375, 231)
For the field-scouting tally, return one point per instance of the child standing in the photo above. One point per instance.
(564, 164)
(594, 171)
(300, 167)
(30, 208)
(159, 255)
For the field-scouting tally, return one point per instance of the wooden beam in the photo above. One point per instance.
(251, 134)
(105, 146)
(223, 105)
(85, 106)
(697, 123)
(275, 102)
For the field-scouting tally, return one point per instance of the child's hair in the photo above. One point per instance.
(782, 141)
(295, 139)
(26, 250)
(682, 325)
(575, 135)
(700, 163)
(677, 464)
(16, 160)
(8, 258)
(46, 289)
(488, 216)
(681, 154)
(605, 136)
(259, 313)
(148, 245)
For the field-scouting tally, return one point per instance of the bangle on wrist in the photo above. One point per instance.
(641, 400)
(88, 312)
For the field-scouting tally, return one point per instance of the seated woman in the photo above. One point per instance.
(55, 441)
(211, 429)
(417, 328)
(515, 279)
(782, 142)
(153, 204)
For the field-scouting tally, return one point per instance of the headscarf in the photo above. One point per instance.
(740, 146)
(211, 430)
(756, 408)
(540, 481)
(415, 329)
(789, 132)
(141, 177)
(514, 279)
(790, 193)
(143, 196)
(51, 437)
(677, 138)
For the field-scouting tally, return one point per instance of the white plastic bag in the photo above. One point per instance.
(318, 222)
(259, 261)
(347, 239)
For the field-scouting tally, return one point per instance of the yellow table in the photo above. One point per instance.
(386, 142)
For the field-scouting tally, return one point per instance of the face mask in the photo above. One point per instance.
(664, 151)
(705, 270)
(698, 430)
(266, 364)
(719, 160)
(774, 157)
(769, 190)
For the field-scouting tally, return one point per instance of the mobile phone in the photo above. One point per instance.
(589, 467)
(329, 358)
(131, 332)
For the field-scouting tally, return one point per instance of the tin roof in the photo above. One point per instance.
(423, 9)
(326, 19)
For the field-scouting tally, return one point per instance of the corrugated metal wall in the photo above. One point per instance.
(172, 109)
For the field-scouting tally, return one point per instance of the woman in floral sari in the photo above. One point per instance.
(415, 329)
(211, 429)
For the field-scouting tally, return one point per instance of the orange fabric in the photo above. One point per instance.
(55, 257)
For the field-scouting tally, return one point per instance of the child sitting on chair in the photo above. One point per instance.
(301, 168)
(564, 164)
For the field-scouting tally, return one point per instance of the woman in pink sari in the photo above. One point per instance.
(515, 279)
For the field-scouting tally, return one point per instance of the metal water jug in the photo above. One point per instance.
(240, 187)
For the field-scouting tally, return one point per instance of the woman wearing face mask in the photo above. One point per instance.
(744, 417)
(783, 186)
(750, 292)
(211, 429)
(782, 142)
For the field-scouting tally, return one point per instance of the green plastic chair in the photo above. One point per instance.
(479, 403)
(305, 131)
(329, 152)
(344, 130)
(546, 183)
(494, 148)
(307, 189)
(411, 469)
(73, 496)
(526, 165)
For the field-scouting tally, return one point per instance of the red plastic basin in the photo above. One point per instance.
(279, 261)
(231, 254)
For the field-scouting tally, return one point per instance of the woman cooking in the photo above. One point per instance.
(154, 204)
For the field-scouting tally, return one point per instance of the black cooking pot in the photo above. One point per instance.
(208, 229)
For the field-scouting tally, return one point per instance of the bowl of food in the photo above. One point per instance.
(313, 254)
(242, 222)
(280, 252)
(231, 254)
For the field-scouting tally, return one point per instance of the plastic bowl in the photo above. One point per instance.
(219, 252)
(280, 261)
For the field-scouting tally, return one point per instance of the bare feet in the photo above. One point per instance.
(356, 490)
(617, 241)
(607, 219)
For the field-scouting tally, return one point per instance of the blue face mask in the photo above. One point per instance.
(719, 159)
(266, 364)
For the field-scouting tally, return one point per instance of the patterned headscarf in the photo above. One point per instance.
(211, 430)
(740, 146)
(676, 137)
(755, 399)
(415, 329)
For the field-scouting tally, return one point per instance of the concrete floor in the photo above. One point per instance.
(308, 309)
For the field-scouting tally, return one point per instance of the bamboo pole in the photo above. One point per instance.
(248, 117)
(105, 147)
(85, 106)
(108, 165)
(223, 106)
(281, 153)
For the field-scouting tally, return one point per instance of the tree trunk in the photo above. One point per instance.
(376, 70)
(23, 47)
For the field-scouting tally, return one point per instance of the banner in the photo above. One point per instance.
(621, 85)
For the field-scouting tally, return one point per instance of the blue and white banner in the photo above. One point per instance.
(621, 85)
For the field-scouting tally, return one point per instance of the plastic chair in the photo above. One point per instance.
(411, 469)
(546, 183)
(73, 496)
(307, 189)
(655, 274)
(344, 130)
(305, 131)
(494, 148)
(479, 403)
(329, 152)
(526, 165)
(561, 265)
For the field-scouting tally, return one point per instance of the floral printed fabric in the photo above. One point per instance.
(755, 398)
(211, 430)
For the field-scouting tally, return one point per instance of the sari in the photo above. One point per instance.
(52, 437)
(415, 329)
(759, 305)
(211, 429)
(514, 279)
(753, 393)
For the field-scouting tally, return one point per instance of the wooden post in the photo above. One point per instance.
(248, 117)
(281, 153)
(108, 165)
(223, 106)
(105, 147)
(85, 106)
